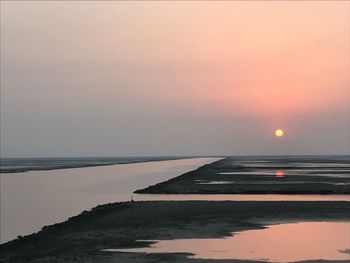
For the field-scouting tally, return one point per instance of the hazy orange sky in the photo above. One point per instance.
(92, 78)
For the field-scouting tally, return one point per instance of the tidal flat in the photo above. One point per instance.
(269, 175)
(124, 225)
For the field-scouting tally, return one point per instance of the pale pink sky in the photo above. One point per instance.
(153, 78)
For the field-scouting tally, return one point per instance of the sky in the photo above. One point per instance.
(94, 78)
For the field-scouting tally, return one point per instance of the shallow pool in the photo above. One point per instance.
(276, 243)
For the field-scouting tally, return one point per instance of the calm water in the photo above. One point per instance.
(34, 199)
(277, 243)
(14, 165)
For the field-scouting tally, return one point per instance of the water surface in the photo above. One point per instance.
(277, 243)
(34, 199)
(16, 165)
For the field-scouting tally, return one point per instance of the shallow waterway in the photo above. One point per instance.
(34, 199)
(277, 243)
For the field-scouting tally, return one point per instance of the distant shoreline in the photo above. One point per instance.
(47, 164)
(50, 163)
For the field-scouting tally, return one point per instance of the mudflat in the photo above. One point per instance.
(270, 175)
(122, 225)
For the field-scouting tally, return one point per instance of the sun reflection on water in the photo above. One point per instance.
(279, 174)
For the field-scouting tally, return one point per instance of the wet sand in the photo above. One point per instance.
(120, 225)
(298, 175)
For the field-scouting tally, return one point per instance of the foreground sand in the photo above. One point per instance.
(120, 225)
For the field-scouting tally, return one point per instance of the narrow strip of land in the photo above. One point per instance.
(271, 176)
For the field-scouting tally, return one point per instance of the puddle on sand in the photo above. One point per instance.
(277, 243)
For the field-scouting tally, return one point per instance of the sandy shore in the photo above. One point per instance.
(120, 225)
(230, 176)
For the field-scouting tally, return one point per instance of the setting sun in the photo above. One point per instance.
(279, 133)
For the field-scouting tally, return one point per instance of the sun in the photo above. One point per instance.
(279, 133)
